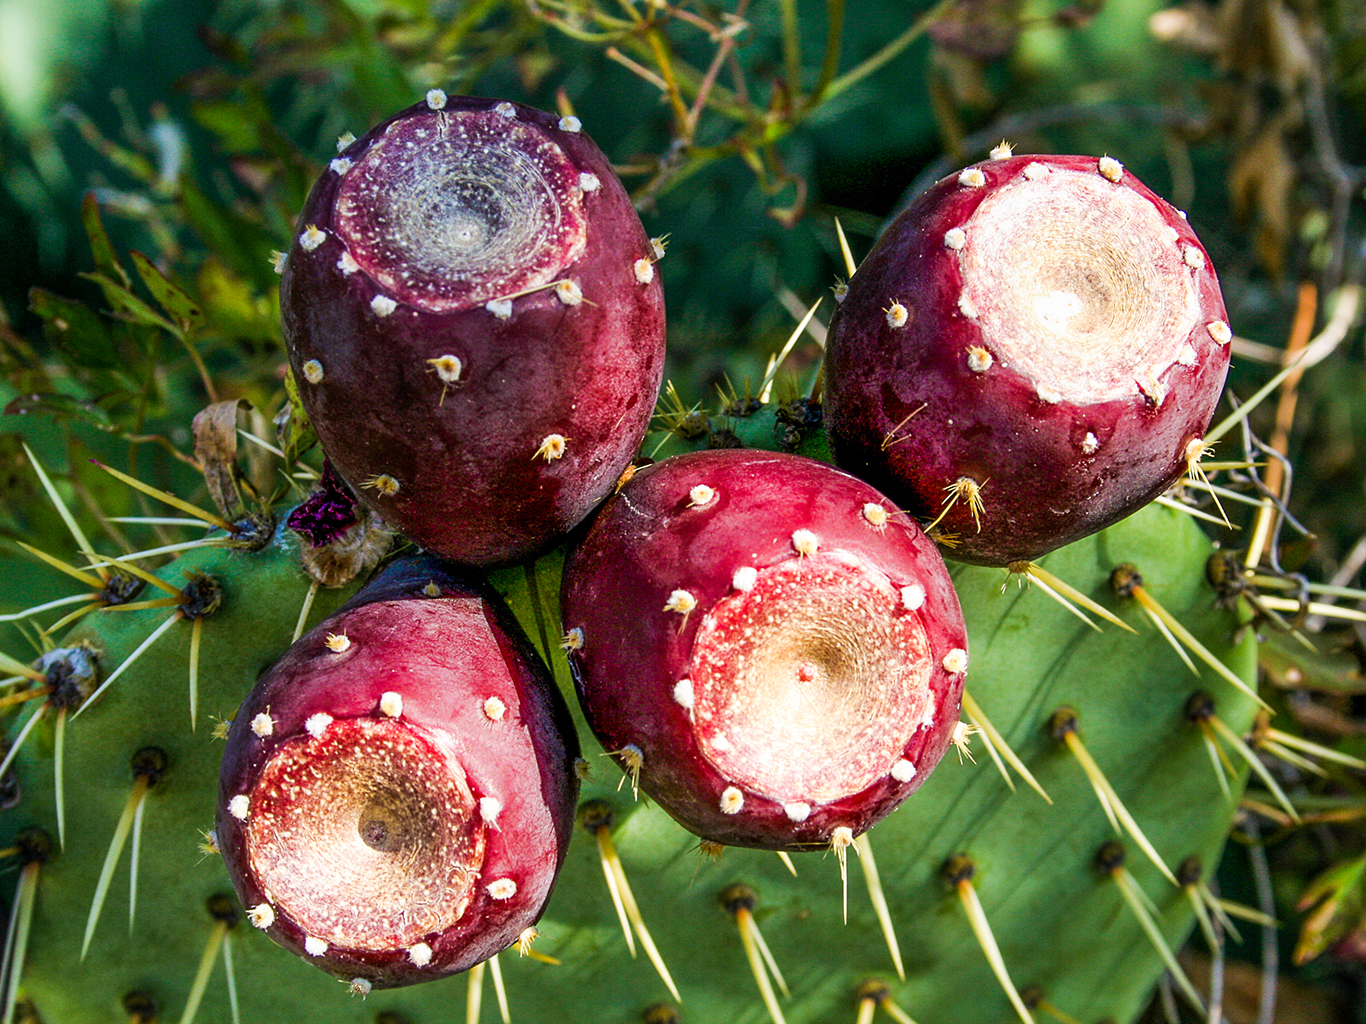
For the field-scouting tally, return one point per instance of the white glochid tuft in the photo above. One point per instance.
(683, 694)
(448, 368)
(552, 447)
(489, 809)
(569, 293)
(700, 494)
(391, 704)
(680, 601)
(732, 800)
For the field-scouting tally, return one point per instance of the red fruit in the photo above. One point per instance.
(1030, 353)
(475, 324)
(398, 791)
(777, 650)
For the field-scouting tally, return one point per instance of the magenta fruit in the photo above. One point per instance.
(475, 323)
(1030, 353)
(398, 791)
(775, 649)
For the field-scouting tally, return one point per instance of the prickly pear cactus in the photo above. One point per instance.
(964, 847)
(1052, 864)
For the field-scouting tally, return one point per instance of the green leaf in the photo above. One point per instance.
(106, 260)
(128, 306)
(61, 407)
(183, 309)
(292, 426)
(233, 306)
(236, 122)
(1340, 889)
(75, 329)
(243, 246)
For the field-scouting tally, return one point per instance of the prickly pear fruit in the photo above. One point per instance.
(768, 642)
(398, 791)
(1030, 353)
(475, 324)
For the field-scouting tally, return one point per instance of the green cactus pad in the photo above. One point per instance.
(1060, 925)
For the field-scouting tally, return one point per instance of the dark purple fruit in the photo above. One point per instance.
(398, 791)
(475, 324)
(777, 650)
(1030, 353)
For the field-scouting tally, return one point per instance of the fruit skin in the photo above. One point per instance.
(656, 538)
(454, 453)
(914, 409)
(446, 647)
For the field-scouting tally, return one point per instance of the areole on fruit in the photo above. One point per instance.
(376, 816)
(1059, 349)
(780, 645)
(474, 338)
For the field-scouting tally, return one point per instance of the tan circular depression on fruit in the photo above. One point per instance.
(450, 210)
(365, 836)
(1079, 285)
(808, 686)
